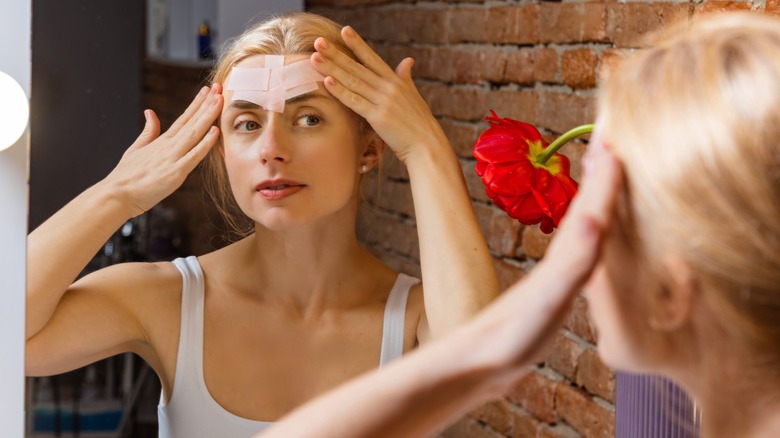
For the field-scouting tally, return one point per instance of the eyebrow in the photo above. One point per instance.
(247, 105)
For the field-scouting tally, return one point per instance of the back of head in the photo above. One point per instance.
(696, 121)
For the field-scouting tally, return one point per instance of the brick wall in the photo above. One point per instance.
(529, 60)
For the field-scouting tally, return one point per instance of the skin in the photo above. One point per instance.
(443, 380)
(301, 287)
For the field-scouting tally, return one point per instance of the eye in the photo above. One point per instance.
(308, 120)
(246, 125)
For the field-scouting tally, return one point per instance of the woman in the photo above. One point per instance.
(687, 279)
(240, 336)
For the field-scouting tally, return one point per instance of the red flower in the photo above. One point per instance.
(517, 179)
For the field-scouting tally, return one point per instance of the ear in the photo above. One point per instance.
(372, 154)
(675, 302)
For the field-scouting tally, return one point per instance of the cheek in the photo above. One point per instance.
(612, 319)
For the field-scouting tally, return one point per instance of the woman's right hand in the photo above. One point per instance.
(155, 165)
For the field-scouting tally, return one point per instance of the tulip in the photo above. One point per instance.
(523, 174)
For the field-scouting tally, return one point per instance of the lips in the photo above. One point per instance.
(274, 190)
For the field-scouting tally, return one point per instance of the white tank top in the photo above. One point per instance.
(191, 412)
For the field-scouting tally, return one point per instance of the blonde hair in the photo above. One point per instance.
(292, 34)
(696, 122)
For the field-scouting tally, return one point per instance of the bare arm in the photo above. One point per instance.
(151, 169)
(457, 268)
(418, 395)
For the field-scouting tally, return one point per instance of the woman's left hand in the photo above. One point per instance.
(387, 99)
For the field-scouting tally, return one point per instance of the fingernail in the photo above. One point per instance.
(203, 91)
(212, 131)
(318, 58)
(349, 31)
(324, 43)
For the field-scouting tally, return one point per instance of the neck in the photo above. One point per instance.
(309, 268)
(737, 403)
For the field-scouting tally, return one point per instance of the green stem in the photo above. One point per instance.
(562, 140)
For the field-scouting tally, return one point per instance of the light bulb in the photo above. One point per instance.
(14, 111)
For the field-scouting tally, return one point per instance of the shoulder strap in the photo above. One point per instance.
(189, 360)
(395, 315)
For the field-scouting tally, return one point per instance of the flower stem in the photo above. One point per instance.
(562, 140)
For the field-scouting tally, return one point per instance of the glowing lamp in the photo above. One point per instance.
(14, 111)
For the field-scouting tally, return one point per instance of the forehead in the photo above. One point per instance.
(270, 80)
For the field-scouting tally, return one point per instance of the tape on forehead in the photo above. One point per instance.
(270, 86)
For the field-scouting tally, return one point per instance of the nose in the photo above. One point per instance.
(274, 143)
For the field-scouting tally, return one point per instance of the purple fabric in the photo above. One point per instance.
(651, 406)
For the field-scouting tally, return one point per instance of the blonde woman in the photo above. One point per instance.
(687, 276)
(241, 336)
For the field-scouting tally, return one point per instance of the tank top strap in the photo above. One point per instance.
(189, 361)
(395, 316)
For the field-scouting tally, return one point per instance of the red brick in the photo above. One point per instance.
(772, 7)
(594, 376)
(466, 66)
(631, 24)
(467, 24)
(560, 112)
(469, 428)
(525, 425)
(709, 7)
(563, 356)
(583, 414)
(574, 151)
(437, 97)
(394, 196)
(578, 321)
(392, 167)
(501, 231)
(520, 66)
(466, 104)
(578, 68)
(608, 61)
(513, 24)
(462, 136)
(546, 65)
(498, 415)
(518, 105)
(572, 22)
(494, 64)
(535, 242)
(508, 273)
(536, 394)
(376, 25)
(423, 25)
(474, 182)
(559, 430)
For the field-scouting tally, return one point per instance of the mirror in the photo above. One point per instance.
(88, 70)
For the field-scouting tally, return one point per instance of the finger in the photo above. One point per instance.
(150, 132)
(199, 152)
(196, 103)
(198, 126)
(578, 241)
(600, 185)
(331, 61)
(404, 70)
(365, 53)
(352, 82)
(352, 100)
